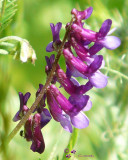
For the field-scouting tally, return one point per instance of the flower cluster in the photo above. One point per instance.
(32, 128)
(87, 64)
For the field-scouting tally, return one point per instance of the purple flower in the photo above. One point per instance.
(32, 130)
(74, 61)
(66, 106)
(68, 112)
(56, 39)
(38, 144)
(96, 78)
(80, 49)
(81, 15)
(71, 85)
(45, 117)
(23, 108)
(101, 38)
(57, 112)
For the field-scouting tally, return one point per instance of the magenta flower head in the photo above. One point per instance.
(23, 108)
(34, 124)
(32, 130)
(71, 85)
(70, 111)
(81, 15)
(101, 39)
(56, 39)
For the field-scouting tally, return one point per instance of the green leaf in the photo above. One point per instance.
(7, 11)
(72, 142)
(18, 47)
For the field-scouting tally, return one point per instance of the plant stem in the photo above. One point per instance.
(117, 72)
(39, 97)
(2, 9)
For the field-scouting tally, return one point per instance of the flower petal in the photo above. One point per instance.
(80, 121)
(98, 80)
(26, 97)
(96, 64)
(16, 117)
(110, 42)
(104, 28)
(88, 106)
(95, 48)
(79, 102)
(45, 117)
(56, 30)
(38, 144)
(66, 124)
(49, 47)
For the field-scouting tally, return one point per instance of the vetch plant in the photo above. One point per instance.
(87, 64)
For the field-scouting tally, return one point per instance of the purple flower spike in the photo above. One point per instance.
(56, 39)
(38, 144)
(23, 107)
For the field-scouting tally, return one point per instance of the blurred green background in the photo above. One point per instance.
(107, 135)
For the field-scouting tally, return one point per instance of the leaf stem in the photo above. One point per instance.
(116, 72)
(3, 8)
(39, 97)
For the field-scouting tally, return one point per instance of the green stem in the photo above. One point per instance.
(116, 72)
(3, 9)
(39, 97)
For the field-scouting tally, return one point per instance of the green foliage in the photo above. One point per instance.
(7, 11)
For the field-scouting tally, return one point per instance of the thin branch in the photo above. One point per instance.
(116, 72)
(3, 8)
